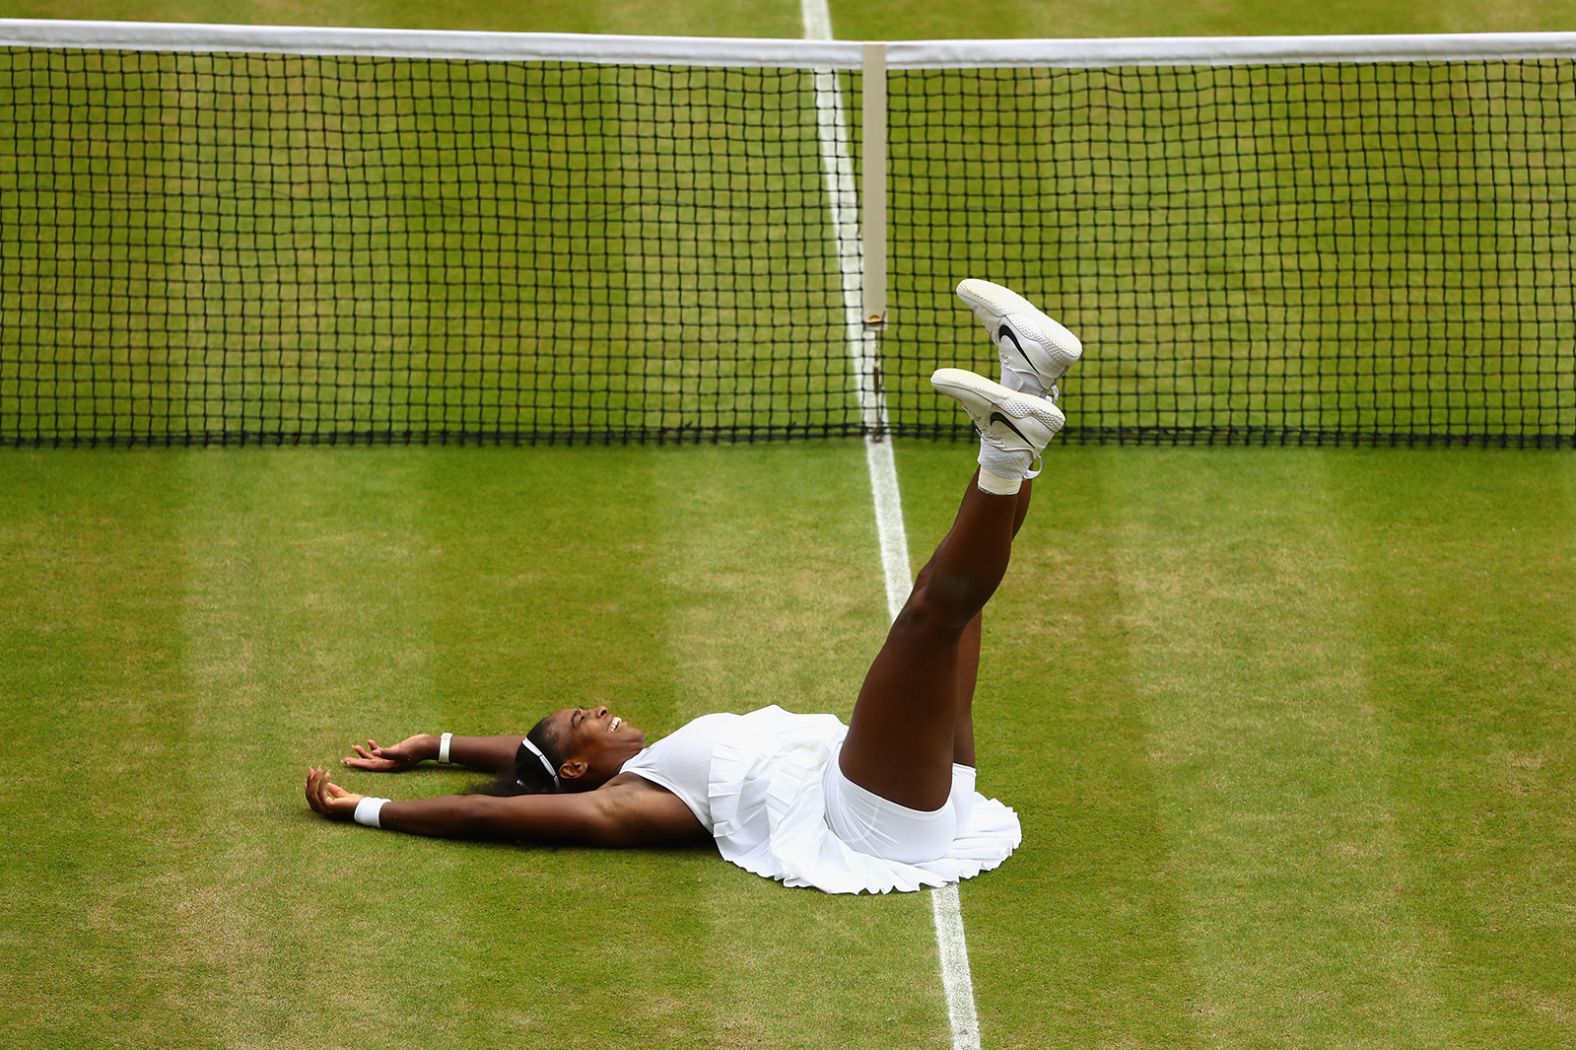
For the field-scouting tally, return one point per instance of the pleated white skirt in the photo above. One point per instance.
(769, 816)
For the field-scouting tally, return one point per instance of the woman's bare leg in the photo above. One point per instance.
(914, 717)
(969, 661)
(902, 737)
(968, 674)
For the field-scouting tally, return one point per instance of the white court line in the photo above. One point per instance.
(836, 159)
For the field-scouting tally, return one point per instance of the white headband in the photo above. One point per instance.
(526, 743)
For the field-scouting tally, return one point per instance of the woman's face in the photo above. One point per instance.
(593, 743)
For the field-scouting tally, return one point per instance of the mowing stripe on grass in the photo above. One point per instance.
(301, 579)
(1077, 941)
(1469, 607)
(862, 349)
(95, 877)
(1274, 767)
(766, 554)
(537, 599)
(412, 590)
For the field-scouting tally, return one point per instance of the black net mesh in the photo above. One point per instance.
(236, 248)
(1316, 253)
(233, 248)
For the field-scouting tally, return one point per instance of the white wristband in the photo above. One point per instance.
(367, 811)
(443, 747)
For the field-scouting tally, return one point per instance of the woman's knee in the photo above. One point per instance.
(934, 608)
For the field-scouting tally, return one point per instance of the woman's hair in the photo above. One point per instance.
(531, 776)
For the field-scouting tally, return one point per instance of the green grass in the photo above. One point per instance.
(905, 20)
(1114, 18)
(667, 17)
(1293, 737)
(1288, 731)
(186, 632)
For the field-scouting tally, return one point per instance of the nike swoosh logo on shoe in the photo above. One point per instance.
(1007, 333)
(997, 417)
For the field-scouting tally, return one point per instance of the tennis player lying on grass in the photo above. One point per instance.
(887, 803)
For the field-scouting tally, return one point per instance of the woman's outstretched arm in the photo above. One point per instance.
(494, 754)
(626, 811)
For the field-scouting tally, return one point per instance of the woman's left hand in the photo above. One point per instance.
(395, 759)
(328, 798)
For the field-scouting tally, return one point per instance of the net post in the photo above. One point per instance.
(872, 202)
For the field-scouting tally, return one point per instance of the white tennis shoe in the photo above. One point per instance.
(1010, 421)
(1028, 342)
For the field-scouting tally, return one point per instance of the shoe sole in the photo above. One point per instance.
(1064, 347)
(1018, 406)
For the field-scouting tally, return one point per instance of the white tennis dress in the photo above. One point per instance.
(755, 782)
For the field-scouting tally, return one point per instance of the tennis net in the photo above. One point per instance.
(234, 235)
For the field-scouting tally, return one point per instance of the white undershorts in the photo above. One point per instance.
(882, 828)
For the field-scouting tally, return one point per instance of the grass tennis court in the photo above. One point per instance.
(1292, 747)
(1290, 731)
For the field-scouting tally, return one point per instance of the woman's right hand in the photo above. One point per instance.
(328, 798)
(395, 759)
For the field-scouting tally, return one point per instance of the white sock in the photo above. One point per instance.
(1004, 468)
